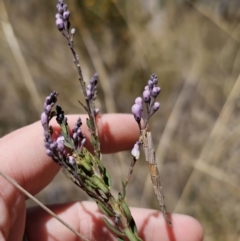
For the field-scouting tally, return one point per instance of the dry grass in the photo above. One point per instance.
(194, 50)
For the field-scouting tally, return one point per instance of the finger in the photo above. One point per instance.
(23, 155)
(86, 218)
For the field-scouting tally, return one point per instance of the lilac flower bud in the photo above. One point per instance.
(53, 146)
(47, 101)
(60, 144)
(138, 101)
(156, 106)
(79, 131)
(58, 15)
(83, 141)
(94, 79)
(89, 94)
(146, 95)
(48, 109)
(44, 119)
(66, 15)
(146, 87)
(136, 110)
(60, 9)
(150, 84)
(73, 31)
(155, 81)
(59, 24)
(49, 152)
(89, 87)
(64, 7)
(135, 151)
(96, 111)
(155, 91)
(75, 136)
(71, 160)
(47, 145)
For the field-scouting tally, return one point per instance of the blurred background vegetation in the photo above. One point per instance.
(193, 47)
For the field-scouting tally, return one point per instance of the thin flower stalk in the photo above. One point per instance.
(150, 93)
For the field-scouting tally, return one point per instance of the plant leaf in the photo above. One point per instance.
(104, 209)
(116, 231)
(89, 124)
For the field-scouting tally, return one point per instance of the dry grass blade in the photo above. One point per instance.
(21, 63)
(221, 24)
(217, 131)
(173, 120)
(15, 184)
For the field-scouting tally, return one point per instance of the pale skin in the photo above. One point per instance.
(22, 156)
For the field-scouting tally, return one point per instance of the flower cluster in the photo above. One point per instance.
(150, 93)
(91, 88)
(61, 148)
(62, 18)
(78, 137)
(53, 148)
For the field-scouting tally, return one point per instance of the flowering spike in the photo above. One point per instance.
(91, 88)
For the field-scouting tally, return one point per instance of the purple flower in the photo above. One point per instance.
(89, 94)
(58, 15)
(150, 84)
(154, 79)
(49, 152)
(156, 106)
(146, 95)
(78, 136)
(60, 144)
(138, 101)
(48, 109)
(59, 24)
(91, 88)
(83, 142)
(66, 15)
(146, 87)
(64, 6)
(155, 91)
(94, 79)
(60, 9)
(136, 110)
(44, 119)
(96, 111)
(71, 160)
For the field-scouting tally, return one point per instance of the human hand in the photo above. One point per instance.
(23, 157)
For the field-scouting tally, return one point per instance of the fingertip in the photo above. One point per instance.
(117, 132)
(153, 227)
